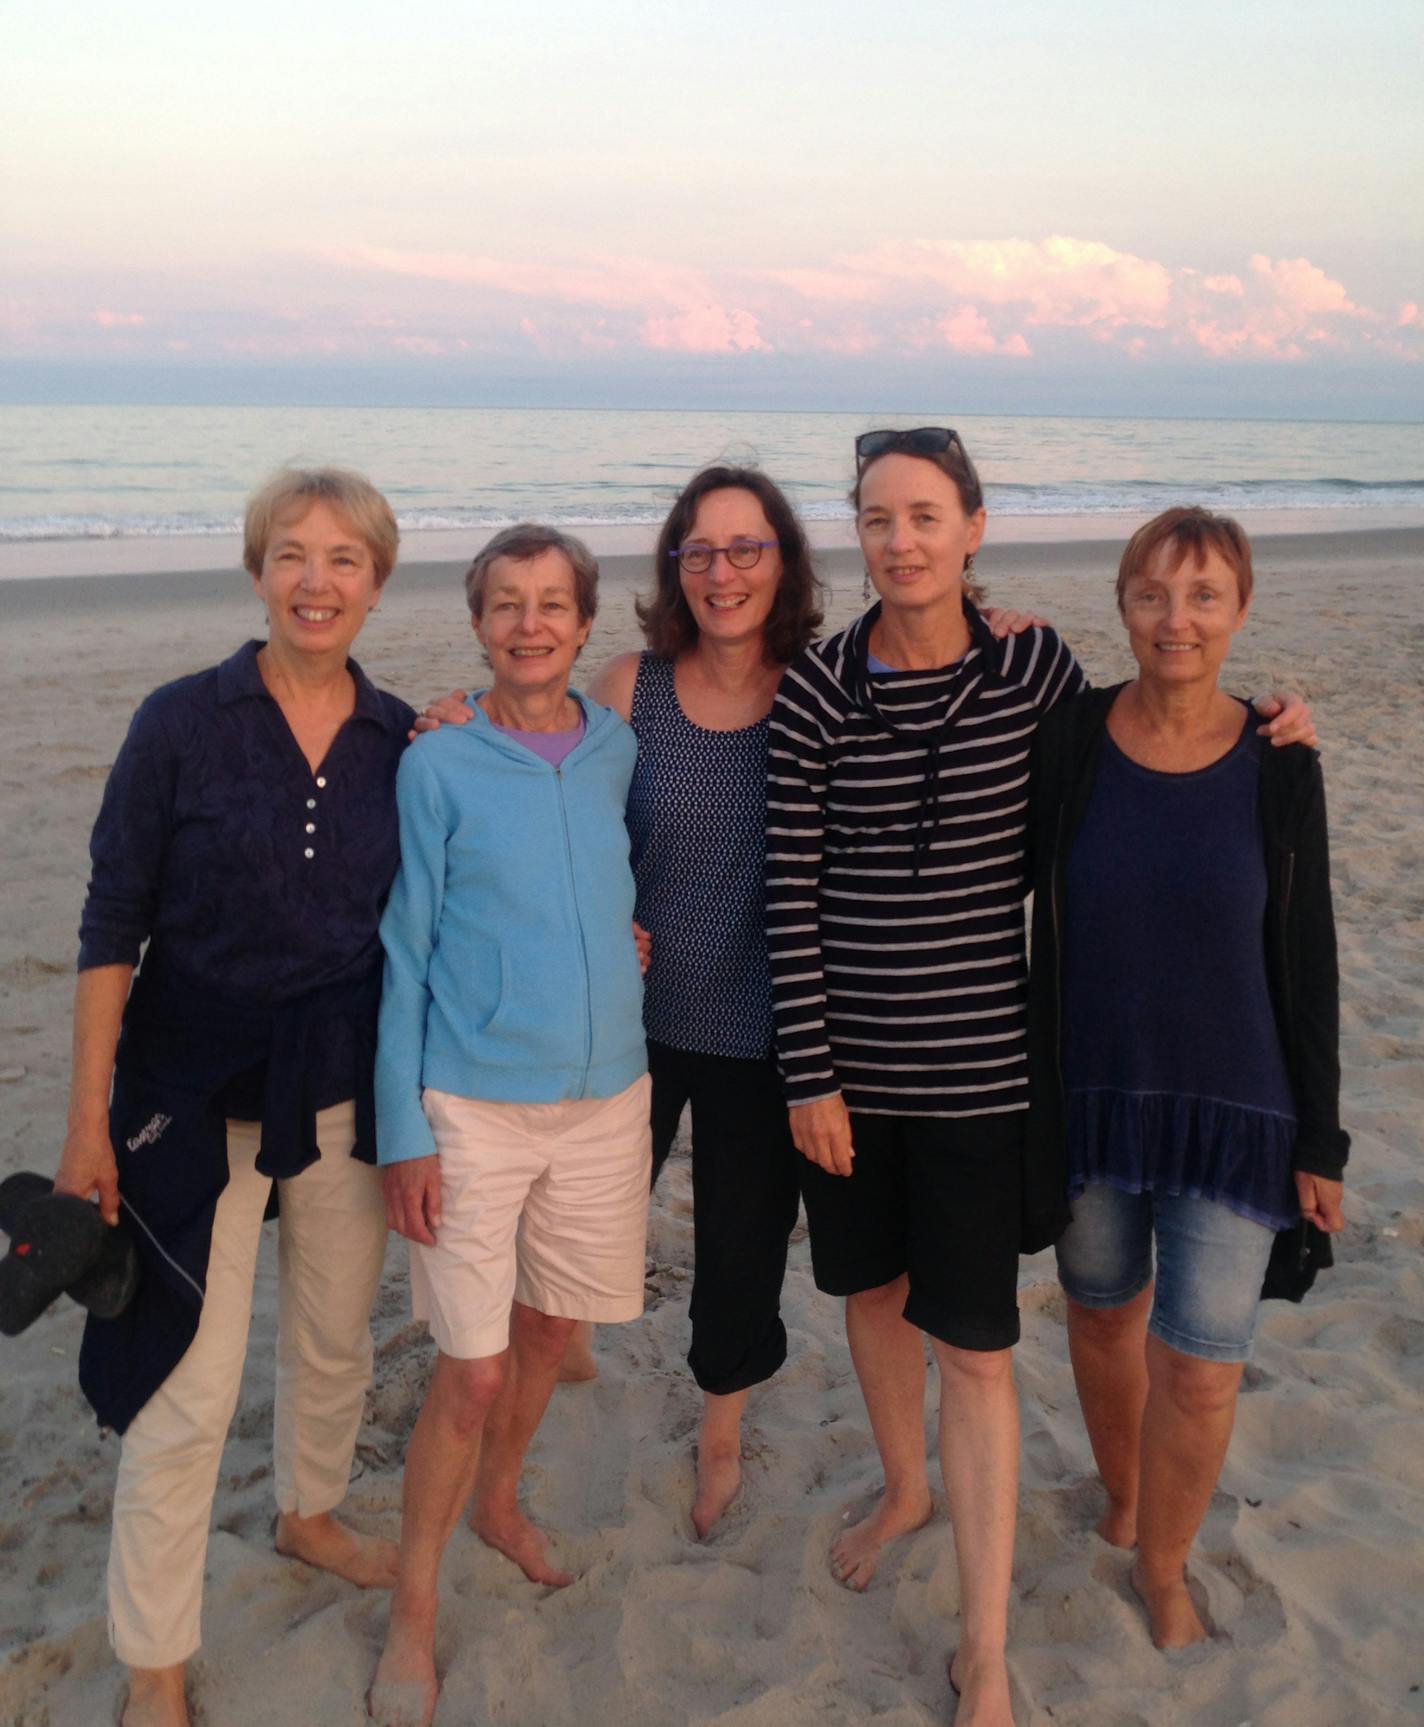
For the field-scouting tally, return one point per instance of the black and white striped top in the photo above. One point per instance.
(896, 810)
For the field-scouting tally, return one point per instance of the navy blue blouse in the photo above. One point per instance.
(249, 875)
(1175, 1077)
(697, 819)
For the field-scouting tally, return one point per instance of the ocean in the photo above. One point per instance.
(115, 473)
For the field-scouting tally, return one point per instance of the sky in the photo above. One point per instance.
(1030, 206)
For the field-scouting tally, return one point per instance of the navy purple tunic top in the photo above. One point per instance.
(696, 819)
(1174, 1074)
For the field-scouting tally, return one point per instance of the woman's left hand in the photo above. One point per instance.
(1003, 622)
(645, 947)
(1320, 1201)
(1289, 719)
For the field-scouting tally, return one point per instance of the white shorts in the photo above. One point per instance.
(542, 1203)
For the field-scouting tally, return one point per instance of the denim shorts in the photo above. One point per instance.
(1210, 1263)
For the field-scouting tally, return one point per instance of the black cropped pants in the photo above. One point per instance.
(744, 1203)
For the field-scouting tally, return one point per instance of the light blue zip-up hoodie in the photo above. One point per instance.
(511, 971)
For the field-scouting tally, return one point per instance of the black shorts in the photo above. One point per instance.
(937, 1199)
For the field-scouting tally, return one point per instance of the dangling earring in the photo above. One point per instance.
(866, 593)
(969, 569)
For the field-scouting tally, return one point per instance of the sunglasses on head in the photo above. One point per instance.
(922, 441)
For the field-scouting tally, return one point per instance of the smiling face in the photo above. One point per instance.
(318, 582)
(529, 622)
(729, 604)
(914, 533)
(1180, 619)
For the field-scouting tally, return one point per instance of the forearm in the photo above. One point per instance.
(99, 998)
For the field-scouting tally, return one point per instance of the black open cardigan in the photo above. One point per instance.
(1301, 964)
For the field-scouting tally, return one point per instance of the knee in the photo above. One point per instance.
(886, 1298)
(465, 1390)
(541, 1335)
(973, 1369)
(1197, 1390)
(1106, 1326)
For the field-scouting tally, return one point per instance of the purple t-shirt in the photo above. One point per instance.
(552, 746)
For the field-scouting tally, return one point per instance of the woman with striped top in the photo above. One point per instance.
(896, 809)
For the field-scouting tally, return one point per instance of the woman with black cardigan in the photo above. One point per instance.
(1184, 1030)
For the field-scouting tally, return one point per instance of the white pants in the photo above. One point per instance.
(331, 1243)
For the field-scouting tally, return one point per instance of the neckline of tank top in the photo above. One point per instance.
(694, 725)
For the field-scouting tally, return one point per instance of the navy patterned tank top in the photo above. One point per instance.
(696, 817)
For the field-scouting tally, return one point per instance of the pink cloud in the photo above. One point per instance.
(1298, 285)
(1286, 307)
(967, 331)
(1059, 280)
(995, 299)
(707, 330)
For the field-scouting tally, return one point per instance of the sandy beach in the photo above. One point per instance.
(1312, 1555)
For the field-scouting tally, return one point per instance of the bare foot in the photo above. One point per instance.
(855, 1552)
(405, 1688)
(155, 1698)
(512, 1534)
(982, 1686)
(1117, 1527)
(365, 1560)
(719, 1475)
(1170, 1610)
(578, 1365)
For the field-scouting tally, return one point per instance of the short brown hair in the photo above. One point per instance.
(668, 625)
(954, 463)
(526, 540)
(1195, 533)
(345, 490)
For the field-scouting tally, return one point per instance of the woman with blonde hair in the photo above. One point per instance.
(245, 847)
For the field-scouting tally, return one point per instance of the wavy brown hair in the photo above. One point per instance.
(795, 616)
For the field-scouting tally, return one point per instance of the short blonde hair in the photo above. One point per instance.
(351, 493)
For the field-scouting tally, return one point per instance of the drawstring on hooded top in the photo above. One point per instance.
(968, 674)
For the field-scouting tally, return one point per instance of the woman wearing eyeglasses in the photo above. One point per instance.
(734, 599)
(897, 800)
